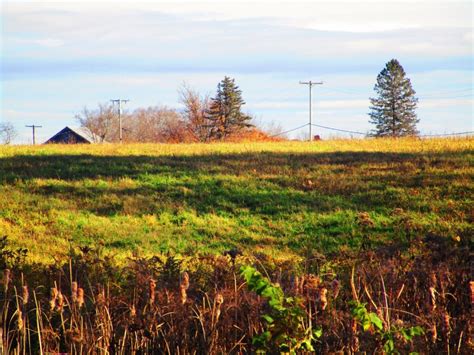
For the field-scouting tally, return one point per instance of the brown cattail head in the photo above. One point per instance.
(354, 338)
(20, 319)
(336, 287)
(354, 326)
(133, 311)
(74, 291)
(433, 298)
(60, 302)
(218, 300)
(434, 333)
(323, 300)
(183, 294)
(151, 291)
(446, 325)
(80, 297)
(185, 280)
(100, 299)
(25, 294)
(54, 296)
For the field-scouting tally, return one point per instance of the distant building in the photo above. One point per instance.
(77, 135)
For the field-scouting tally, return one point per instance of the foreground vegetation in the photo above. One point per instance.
(364, 245)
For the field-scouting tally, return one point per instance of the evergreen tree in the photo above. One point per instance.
(224, 114)
(393, 111)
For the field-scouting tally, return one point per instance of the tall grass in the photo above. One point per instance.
(155, 305)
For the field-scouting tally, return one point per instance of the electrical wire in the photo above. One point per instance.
(291, 130)
(338, 129)
(366, 134)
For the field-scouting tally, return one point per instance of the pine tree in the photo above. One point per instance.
(224, 114)
(393, 111)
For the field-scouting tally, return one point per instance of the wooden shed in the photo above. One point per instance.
(77, 135)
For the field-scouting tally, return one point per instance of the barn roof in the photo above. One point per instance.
(85, 133)
(82, 132)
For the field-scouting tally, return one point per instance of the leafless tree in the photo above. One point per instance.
(195, 108)
(100, 121)
(7, 132)
(155, 124)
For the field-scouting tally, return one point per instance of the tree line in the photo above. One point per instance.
(202, 119)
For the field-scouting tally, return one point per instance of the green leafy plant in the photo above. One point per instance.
(287, 327)
(371, 322)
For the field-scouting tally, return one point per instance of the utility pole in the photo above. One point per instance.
(119, 101)
(34, 131)
(310, 85)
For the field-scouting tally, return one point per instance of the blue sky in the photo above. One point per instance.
(59, 57)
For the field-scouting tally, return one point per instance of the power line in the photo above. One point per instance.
(310, 85)
(119, 101)
(366, 134)
(290, 130)
(338, 129)
(34, 131)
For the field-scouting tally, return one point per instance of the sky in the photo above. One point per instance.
(59, 57)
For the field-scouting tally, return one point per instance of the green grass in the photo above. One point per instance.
(281, 199)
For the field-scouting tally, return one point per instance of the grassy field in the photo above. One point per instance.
(286, 200)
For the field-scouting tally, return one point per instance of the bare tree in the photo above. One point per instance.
(195, 108)
(156, 124)
(7, 132)
(100, 121)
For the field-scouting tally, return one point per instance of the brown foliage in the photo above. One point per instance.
(153, 306)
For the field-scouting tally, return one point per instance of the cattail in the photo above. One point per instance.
(151, 290)
(74, 292)
(25, 295)
(133, 311)
(336, 286)
(219, 300)
(323, 300)
(80, 297)
(60, 302)
(54, 296)
(20, 319)
(100, 300)
(184, 285)
(446, 325)
(354, 339)
(433, 298)
(185, 280)
(434, 334)
(183, 294)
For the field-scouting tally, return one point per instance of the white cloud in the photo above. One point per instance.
(49, 42)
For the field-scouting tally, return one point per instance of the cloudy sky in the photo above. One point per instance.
(59, 57)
